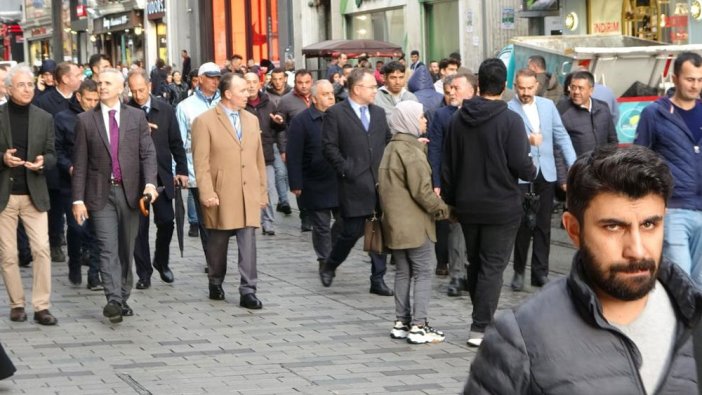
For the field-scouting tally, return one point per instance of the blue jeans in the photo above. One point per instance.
(192, 212)
(281, 177)
(267, 213)
(682, 243)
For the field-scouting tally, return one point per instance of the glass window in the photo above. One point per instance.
(442, 33)
(387, 25)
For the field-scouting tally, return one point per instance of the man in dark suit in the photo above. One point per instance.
(113, 156)
(169, 147)
(354, 135)
(27, 144)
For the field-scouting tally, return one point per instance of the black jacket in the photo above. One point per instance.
(167, 143)
(485, 153)
(65, 125)
(271, 132)
(53, 102)
(558, 342)
(307, 168)
(355, 155)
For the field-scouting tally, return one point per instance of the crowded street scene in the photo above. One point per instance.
(208, 197)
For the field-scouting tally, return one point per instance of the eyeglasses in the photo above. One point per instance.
(22, 85)
(373, 87)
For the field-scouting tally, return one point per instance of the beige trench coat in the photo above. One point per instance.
(231, 170)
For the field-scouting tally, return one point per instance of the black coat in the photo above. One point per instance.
(355, 155)
(271, 132)
(64, 126)
(558, 342)
(53, 102)
(167, 142)
(307, 168)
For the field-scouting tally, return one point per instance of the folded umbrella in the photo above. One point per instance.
(531, 204)
(179, 215)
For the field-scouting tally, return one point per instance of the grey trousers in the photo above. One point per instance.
(323, 235)
(458, 260)
(116, 247)
(217, 246)
(413, 265)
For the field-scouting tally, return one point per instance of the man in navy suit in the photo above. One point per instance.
(544, 129)
(354, 134)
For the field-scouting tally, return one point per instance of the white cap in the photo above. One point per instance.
(209, 69)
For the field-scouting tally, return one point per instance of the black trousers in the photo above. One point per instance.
(352, 230)
(441, 248)
(541, 234)
(200, 221)
(163, 218)
(56, 219)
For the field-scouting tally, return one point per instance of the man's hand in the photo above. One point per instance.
(437, 191)
(37, 165)
(423, 140)
(277, 118)
(152, 127)
(10, 159)
(536, 139)
(264, 204)
(150, 190)
(284, 157)
(70, 171)
(181, 180)
(296, 192)
(211, 202)
(80, 213)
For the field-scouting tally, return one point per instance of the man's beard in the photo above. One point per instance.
(608, 281)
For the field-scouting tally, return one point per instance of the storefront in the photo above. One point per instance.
(245, 27)
(79, 31)
(156, 16)
(441, 31)
(38, 30)
(120, 37)
(11, 42)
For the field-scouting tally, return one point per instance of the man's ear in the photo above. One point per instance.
(572, 227)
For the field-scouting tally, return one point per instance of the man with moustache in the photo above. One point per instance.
(310, 176)
(113, 157)
(231, 175)
(169, 149)
(621, 322)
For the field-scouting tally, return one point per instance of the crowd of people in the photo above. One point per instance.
(461, 172)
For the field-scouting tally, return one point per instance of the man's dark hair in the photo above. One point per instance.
(96, 58)
(237, 56)
(446, 62)
(691, 57)
(185, 51)
(278, 70)
(538, 61)
(492, 76)
(456, 56)
(583, 75)
(87, 85)
(193, 73)
(302, 73)
(160, 63)
(62, 69)
(633, 171)
(356, 76)
(393, 67)
(346, 66)
(414, 52)
(226, 82)
(379, 62)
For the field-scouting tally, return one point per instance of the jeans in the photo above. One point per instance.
(413, 266)
(323, 235)
(457, 251)
(267, 213)
(281, 176)
(192, 212)
(682, 243)
(351, 231)
(489, 247)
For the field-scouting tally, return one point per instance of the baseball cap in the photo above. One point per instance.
(210, 70)
(47, 66)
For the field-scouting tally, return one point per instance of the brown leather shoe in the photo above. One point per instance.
(17, 314)
(43, 317)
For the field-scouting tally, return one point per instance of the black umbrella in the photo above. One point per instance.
(531, 205)
(179, 215)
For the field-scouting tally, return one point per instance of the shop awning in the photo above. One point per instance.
(353, 49)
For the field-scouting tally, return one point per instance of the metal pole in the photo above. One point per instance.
(57, 23)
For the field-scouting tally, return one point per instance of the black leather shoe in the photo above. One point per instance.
(517, 282)
(143, 284)
(165, 272)
(283, 208)
(250, 301)
(113, 311)
(455, 287)
(43, 317)
(126, 310)
(379, 288)
(17, 314)
(305, 228)
(327, 276)
(539, 281)
(216, 292)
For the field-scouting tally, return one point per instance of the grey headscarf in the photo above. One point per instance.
(405, 117)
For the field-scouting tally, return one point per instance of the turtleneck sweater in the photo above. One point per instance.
(19, 127)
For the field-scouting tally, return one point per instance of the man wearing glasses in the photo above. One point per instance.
(354, 135)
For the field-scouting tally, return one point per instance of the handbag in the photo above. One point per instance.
(373, 235)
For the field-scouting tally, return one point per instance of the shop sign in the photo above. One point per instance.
(605, 16)
(81, 11)
(155, 9)
(110, 23)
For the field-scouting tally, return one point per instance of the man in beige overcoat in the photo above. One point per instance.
(231, 174)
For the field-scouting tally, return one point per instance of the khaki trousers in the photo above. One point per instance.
(36, 224)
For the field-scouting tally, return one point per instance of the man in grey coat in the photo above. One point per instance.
(621, 322)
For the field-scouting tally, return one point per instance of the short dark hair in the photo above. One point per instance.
(347, 66)
(538, 61)
(691, 57)
(634, 171)
(492, 76)
(87, 85)
(96, 58)
(446, 62)
(302, 73)
(456, 56)
(160, 63)
(583, 75)
(226, 82)
(193, 73)
(278, 70)
(392, 67)
(62, 69)
(237, 56)
(414, 52)
(356, 76)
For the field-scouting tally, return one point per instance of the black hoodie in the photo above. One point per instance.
(485, 152)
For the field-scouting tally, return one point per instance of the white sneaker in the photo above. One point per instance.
(400, 330)
(475, 339)
(424, 334)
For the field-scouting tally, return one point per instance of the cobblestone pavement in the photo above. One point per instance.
(307, 339)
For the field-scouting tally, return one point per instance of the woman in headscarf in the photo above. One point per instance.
(410, 208)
